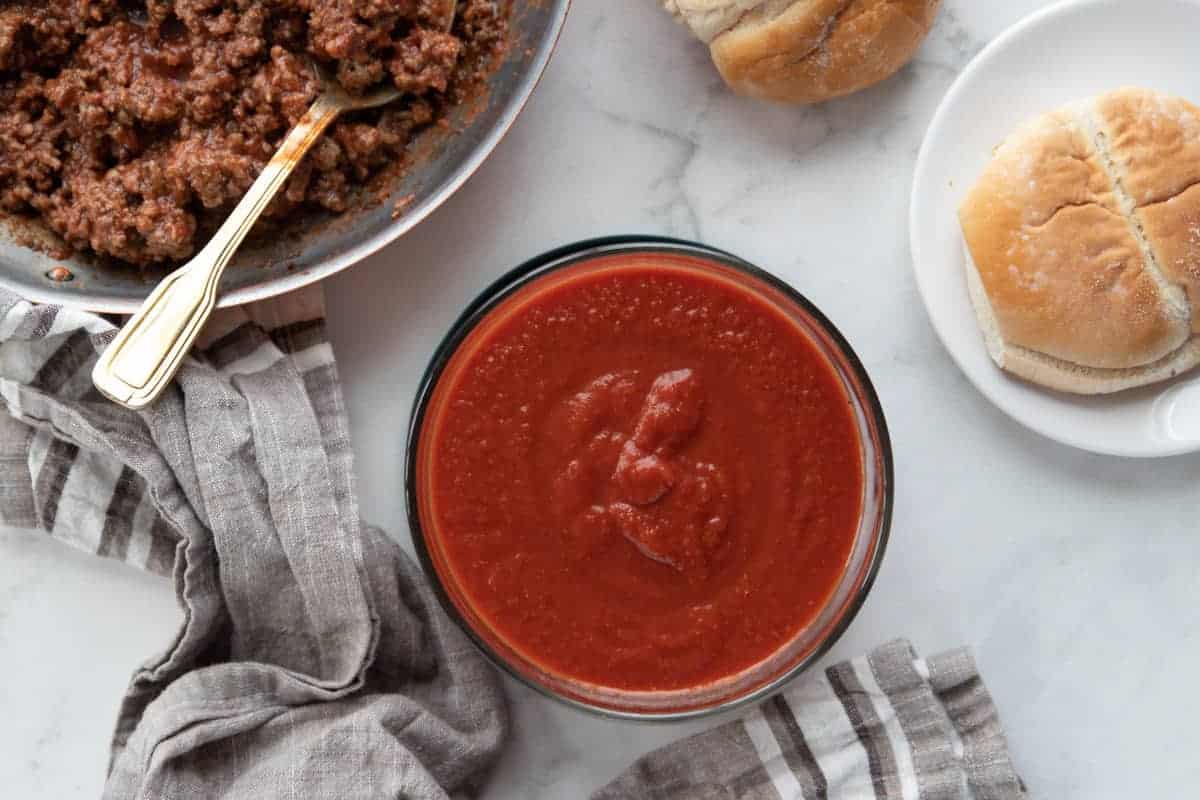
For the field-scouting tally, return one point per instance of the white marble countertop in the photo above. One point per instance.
(1073, 576)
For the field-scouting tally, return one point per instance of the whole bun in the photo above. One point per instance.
(1083, 244)
(807, 51)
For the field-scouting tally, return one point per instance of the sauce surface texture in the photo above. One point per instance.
(641, 475)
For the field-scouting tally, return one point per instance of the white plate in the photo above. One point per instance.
(1066, 52)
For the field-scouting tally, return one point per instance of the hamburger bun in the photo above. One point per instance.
(807, 51)
(1083, 244)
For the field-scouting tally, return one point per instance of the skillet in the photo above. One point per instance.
(442, 162)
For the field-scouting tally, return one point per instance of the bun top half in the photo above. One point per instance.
(1084, 233)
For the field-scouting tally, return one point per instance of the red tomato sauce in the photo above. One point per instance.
(640, 475)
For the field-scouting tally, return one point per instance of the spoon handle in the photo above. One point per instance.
(147, 352)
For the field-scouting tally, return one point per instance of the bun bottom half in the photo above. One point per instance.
(1065, 376)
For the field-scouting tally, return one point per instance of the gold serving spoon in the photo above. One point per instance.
(147, 352)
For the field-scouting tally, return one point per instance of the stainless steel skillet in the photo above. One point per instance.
(444, 161)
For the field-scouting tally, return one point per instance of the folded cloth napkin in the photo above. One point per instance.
(887, 726)
(312, 659)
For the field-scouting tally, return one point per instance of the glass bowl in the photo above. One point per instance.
(866, 553)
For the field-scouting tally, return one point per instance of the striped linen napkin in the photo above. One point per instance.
(312, 660)
(886, 726)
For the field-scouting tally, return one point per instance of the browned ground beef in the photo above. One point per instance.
(132, 127)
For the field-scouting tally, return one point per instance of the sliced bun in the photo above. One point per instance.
(807, 51)
(1083, 245)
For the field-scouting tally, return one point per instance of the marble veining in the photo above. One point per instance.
(1073, 576)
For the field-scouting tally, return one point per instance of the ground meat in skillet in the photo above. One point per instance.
(131, 127)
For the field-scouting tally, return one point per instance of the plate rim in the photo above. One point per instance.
(920, 178)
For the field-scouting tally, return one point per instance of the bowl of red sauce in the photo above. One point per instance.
(648, 478)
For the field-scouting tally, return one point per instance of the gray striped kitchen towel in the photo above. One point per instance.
(312, 660)
(886, 726)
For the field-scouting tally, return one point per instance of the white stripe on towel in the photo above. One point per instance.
(901, 751)
(319, 355)
(13, 319)
(771, 756)
(257, 360)
(832, 739)
(139, 535)
(39, 446)
(84, 500)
